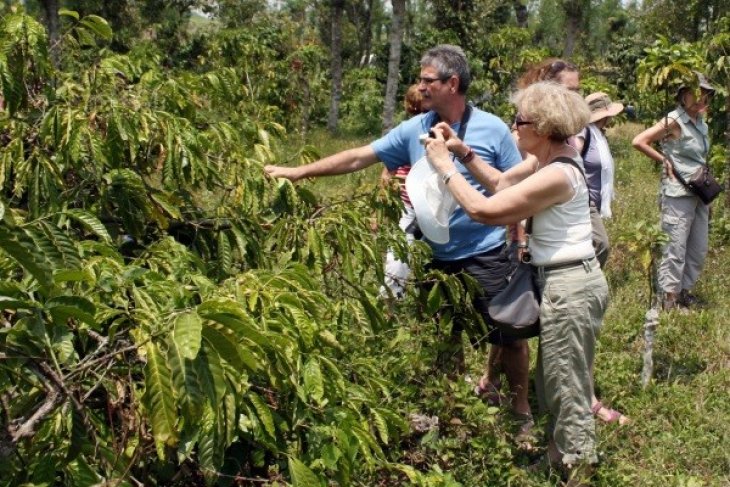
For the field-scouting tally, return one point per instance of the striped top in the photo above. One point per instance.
(400, 173)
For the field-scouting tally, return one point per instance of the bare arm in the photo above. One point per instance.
(532, 195)
(344, 162)
(491, 178)
(539, 191)
(644, 142)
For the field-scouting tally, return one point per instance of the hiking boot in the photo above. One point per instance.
(689, 300)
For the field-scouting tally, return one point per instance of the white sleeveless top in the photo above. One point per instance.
(562, 233)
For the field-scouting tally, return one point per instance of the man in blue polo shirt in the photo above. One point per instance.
(474, 248)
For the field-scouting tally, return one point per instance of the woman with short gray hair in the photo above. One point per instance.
(573, 288)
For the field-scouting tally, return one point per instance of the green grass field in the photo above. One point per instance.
(680, 429)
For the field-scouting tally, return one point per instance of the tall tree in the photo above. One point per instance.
(681, 20)
(520, 7)
(396, 42)
(50, 17)
(361, 15)
(336, 9)
(575, 15)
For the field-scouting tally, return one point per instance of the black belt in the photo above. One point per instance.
(564, 265)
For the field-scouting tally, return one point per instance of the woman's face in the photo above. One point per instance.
(527, 138)
(695, 105)
(569, 79)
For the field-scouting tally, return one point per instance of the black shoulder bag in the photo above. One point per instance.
(701, 183)
(515, 310)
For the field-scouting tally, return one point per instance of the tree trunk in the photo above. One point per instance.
(520, 13)
(50, 16)
(396, 42)
(336, 64)
(727, 146)
(368, 33)
(575, 11)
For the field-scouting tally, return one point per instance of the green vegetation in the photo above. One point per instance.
(172, 317)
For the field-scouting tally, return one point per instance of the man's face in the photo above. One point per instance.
(436, 90)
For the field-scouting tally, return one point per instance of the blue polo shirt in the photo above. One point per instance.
(490, 138)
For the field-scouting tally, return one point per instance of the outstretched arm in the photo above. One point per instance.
(344, 162)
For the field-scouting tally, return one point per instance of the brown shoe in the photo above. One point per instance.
(672, 302)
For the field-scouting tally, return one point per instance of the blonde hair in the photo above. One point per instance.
(553, 110)
(412, 101)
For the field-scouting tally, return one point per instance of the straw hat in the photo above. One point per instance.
(432, 202)
(601, 106)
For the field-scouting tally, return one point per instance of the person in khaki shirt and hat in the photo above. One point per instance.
(683, 137)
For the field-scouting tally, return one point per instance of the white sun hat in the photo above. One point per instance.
(432, 202)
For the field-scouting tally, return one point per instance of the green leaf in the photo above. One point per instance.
(62, 308)
(159, 398)
(98, 25)
(79, 436)
(302, 476)
(225, 257)
(68, 13)
(313, 380)
(90, 222)
(187, 334)
(263, 412)
(74, 275)
(165, 202)
(228, 347)
(381, 425)
(81, 474)
(33, 262)
(433, 303)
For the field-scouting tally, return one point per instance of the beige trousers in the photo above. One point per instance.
(685, 219)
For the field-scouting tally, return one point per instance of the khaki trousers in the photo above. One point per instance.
(685, 219)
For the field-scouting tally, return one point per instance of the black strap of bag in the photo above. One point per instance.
(462, 126)
(702, 184)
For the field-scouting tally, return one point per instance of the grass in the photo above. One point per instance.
(680, 430)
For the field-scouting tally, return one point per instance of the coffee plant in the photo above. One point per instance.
(170, 316)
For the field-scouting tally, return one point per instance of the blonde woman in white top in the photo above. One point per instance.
(573, 289)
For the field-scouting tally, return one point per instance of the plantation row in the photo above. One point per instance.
(170, 315)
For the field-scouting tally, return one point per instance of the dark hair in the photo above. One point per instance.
(449, 60)
(547, 70)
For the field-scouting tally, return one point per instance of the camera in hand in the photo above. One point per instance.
(422, 138)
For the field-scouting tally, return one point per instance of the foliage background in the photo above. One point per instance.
(171, 317)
